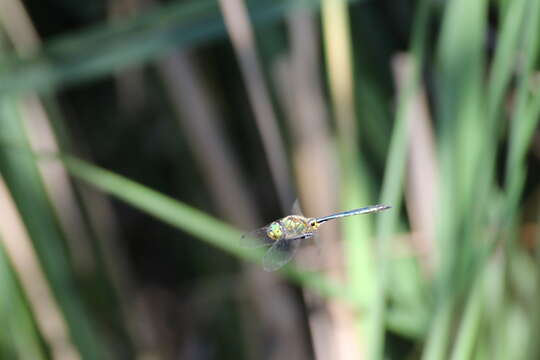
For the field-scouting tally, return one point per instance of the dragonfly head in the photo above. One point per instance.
(313, 224)
(274, 231)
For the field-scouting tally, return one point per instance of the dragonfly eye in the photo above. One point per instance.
(274, 231)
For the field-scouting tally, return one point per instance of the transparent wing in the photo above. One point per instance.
(256, 239)
(282, 252)
(296, 208)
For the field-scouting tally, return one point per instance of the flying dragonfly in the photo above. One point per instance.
(284, 236)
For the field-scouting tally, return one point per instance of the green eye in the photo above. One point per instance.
(274, 231)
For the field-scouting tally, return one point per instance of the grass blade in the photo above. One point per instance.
(460, 71)
(194, 222)
(19, 326)
(360, 267)
(104, 49)
(21, 175)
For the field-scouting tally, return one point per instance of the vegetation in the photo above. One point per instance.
(137, 144)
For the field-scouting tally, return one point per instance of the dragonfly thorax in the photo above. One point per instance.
(291, 226)
(294, 224)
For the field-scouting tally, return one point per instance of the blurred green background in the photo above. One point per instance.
(140, 138)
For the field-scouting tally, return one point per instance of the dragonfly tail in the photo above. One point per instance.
(364, 210)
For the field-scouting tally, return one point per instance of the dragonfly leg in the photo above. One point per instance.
(301, 237)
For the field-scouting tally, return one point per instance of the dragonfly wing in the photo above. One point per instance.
(256, 239)
(282, 252)
(296, 208)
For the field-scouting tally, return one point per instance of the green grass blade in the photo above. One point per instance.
(502, 69)
(20, 172)
(392, 189)
(354, 177)
(505, 56)
(460, 90)
(194, 222)
(105, 49)
(468, 331)
(460, 107)
(19, 327)
(215, 233)
(525, 116)
(504, 62)
(439, 335)
(517, 22)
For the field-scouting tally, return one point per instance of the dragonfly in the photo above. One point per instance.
(283, 236)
